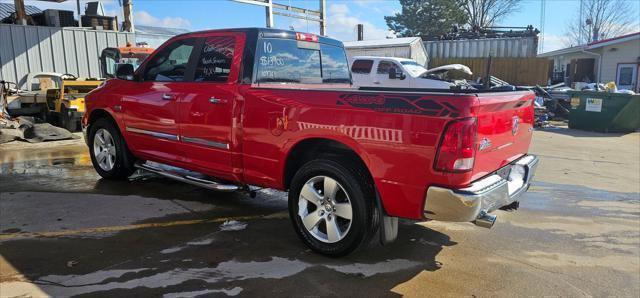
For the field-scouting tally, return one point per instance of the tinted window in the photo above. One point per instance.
(170, 65)
(362, 66)
(290, 61)
(384, 66)
(215, 60)
(335, 67)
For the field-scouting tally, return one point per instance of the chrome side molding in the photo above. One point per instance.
(171, 137)
(155, 134)
(204, 142)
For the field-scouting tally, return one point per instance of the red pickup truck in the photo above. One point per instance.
(225, 109)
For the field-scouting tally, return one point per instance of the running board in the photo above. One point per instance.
(186, 178)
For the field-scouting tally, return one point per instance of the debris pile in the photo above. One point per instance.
(26, 129)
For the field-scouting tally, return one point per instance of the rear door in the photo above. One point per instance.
(361, 72)
(505, 128)
(207, 114)
(150, 107)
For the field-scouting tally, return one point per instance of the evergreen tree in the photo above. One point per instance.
(427, 17)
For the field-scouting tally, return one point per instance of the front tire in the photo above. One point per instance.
(109, 153)
(331, 206)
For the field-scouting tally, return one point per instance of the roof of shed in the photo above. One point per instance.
(593, 45)
(391, 42)
(6, 9)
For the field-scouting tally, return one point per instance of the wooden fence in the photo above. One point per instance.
(517, 71)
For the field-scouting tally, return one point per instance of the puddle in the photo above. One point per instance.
(224, 272)
(368, 270)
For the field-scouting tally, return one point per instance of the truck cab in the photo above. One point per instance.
(391, 72)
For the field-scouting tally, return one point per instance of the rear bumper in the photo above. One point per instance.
(483, 196)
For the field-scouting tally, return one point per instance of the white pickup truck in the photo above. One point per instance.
(390, 72)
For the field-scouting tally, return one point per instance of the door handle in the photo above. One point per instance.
(215, 100)
(376, 82)
(167, 96)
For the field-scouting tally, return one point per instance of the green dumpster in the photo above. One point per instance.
(604, 111)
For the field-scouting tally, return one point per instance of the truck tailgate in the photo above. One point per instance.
(505, 126)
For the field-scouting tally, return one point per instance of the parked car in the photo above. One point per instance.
(225, 109)
(390, 72)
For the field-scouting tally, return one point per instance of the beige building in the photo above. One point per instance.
(609, 60)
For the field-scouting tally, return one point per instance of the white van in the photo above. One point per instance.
(390, 72)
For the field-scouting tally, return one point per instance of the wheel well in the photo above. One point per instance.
(99, 114)
(316, 148)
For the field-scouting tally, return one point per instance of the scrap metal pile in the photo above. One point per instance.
(554, 102)
(24, 128)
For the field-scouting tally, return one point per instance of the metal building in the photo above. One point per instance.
(27, 49)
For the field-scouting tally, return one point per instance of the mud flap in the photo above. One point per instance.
(388, 229)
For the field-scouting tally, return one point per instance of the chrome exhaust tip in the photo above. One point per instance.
(485, 220)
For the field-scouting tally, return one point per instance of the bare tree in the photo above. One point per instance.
(485, 13)
(601, 19)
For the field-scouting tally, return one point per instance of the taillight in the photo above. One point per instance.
(457, 151)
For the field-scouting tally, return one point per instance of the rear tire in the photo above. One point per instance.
(332, 206)
(109, 153)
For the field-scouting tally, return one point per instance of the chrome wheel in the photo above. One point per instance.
(325, 209)
(104, 149)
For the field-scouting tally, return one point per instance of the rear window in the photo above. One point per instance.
(214, 64)
(291, 61)
(362, 66)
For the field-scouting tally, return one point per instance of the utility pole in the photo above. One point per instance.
(21, 14)
(269, 11)
(79, 14)
(580, 24)
(127, 10)
(323, 17)
(543, 10)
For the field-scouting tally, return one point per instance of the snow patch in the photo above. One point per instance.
(233, 225)
(201, 242)
(172, 249)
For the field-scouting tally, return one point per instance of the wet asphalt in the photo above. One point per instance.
(66, 232)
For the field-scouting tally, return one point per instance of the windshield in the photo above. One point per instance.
(413, 67)
(44, 82)
(291, 61)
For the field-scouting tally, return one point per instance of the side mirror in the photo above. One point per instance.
(394, 74)
(124, 72)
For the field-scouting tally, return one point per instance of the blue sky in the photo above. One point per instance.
(343, 15)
